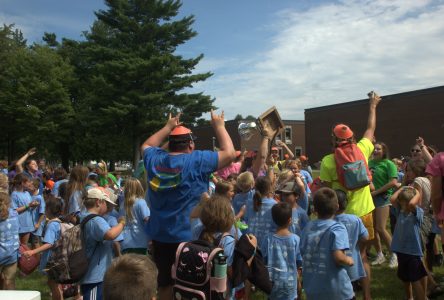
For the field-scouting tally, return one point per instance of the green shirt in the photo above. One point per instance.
(383, 171)
(360, 202)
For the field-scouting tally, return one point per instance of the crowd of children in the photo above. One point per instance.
(309, 244)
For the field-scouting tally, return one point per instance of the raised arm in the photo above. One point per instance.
(371, 122)
(424, 150)
(261, 157)
(21, 160)
(226, 149)
(282, 144)
(156, 139)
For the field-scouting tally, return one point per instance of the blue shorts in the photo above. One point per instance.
(381, 200)
(92, 291)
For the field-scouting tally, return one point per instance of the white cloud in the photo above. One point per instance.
(334, 53)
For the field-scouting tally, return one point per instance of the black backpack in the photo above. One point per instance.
(200, 271)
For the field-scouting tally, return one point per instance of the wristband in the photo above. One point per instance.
(26, 206)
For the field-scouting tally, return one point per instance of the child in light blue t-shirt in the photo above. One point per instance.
(406, 242)
(112, 221)
(258, 213)
(98, 243)
(245, 183)
(282, 255)
(357, 233)
(323, 245)
(38, 213)
(9, 241)
(217, 222)
(290, 193)
(51, 234)
(22, 202)
(137, 214)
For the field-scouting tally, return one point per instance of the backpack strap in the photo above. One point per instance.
(217, 241)
(82, 227)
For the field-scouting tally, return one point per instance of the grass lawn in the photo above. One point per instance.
(385, 284)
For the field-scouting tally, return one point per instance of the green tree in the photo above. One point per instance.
(34, 101)
(134, 77)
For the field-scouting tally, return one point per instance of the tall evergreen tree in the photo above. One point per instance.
(135, 78)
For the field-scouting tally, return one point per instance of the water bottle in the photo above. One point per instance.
(220, 265)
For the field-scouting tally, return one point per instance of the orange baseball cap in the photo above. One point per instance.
(274, 149)
(342, 131)
(303, 158)
(181, 134)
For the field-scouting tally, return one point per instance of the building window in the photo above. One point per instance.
(297, 151)
(278, 137)
(288, 134)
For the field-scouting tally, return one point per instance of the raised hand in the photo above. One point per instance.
(374, 98)
(420, 142)
(173, 121)
(217, 120)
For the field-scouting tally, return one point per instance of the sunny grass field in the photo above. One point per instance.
(385, 284)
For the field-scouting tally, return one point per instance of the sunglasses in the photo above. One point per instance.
(415, 150)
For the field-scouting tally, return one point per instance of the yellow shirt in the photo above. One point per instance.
(360, 202)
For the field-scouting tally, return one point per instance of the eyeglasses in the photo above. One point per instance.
(415, 150)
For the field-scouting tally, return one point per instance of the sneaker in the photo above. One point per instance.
(393, 262)
(380, 259)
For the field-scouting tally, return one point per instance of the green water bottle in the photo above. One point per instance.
(220, 265)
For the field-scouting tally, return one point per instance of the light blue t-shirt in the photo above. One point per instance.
(241, 199)
(176, 183)
(52, 235)
(299, 220)
(55, 188)
(9, 238)
(260, 223)
(307, 180)
(356, 231)
(134, 235)
(406, 238)
(75, 204)
(282, 256)
(20, 199)
(37, 212)
(98, 251)
(112, 221)
(323, 278)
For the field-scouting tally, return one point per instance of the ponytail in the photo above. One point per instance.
(257, 201)
(262, 189)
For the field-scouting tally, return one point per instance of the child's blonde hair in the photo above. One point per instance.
(5, 202)
(4, 182)
(130, 276)
(216, 216)
(245, 181)
(406, 194)
(133, 191)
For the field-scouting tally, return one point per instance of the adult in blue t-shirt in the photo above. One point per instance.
(176, 180)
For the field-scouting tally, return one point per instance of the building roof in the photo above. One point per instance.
(399, 96)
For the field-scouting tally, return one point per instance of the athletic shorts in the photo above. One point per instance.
(368, 223)
(8, 271)
(410, 267)
(92, 291)
(164, 255)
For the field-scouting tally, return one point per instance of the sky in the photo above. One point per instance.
(294, 54)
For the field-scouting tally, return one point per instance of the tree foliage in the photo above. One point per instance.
(100, 97)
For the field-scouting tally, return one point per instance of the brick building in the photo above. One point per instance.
(401, 118)
(293, 135)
